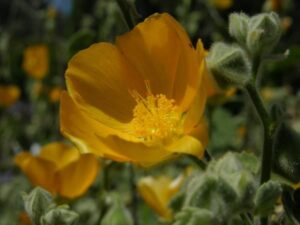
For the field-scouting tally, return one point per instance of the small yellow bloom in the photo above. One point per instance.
(157, 193)
(54, 94)
(36, 61)
(222, 4)
(273, 5)
(140, 100)
(24, 218)
(9, 94)
(296, 186)
(60, 169)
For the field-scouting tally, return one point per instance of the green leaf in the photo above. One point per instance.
(195, 216)
(224, 135)
(287, 153)
(266, 197)
(61, 216)
(291, 206)
(117, 214)
(37, 203)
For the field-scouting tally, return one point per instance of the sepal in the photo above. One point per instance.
(229, 64)
(266, 197)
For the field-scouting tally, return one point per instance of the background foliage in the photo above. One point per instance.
(68, 26)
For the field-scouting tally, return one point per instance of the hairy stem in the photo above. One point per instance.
(269, 131)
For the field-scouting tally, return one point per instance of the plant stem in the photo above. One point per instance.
(134, 197)
(269, 131)
(246, 219)
(201, 164)
(129, 13)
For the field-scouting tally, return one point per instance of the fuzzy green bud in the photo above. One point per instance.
(263, 34)
(60, 215)
(238, 27)
(117, 215)
(229, 63)
(266, 197)
(37, 203)
(194, 216)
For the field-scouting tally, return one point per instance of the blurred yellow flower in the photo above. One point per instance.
(9, 94)
(141, 100)
(60, 169)
(36, 61)
(158, 191)
(222, 4)
(273, 5)
(24, 218)
(54, 94)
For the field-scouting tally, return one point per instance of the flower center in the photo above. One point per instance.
(156, 119)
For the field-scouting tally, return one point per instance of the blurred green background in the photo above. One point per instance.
(66, 26)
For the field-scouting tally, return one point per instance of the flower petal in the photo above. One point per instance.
(201, 132)
(137, 153)
(187, 78)
(100, 80)
(76, 177)
(156, 194)
(59, 153)
(40, 172)
(196, 110)
(153, 49)
(187, 145)
(83, 130)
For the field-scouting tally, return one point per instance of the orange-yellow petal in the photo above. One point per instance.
(161, 52)
(187, 145)
(100, 80)
(84, 131)
(188, 76)
(196, 110)
(200, 132)
(75, 178)
(156, 194)
(91, 136)
(59, 153)
(40, 172)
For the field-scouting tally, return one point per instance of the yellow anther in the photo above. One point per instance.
(156, 119)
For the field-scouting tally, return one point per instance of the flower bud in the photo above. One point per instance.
(238, 27)
(194, 216)
(266, 197)
(263, 34)
(117, 214)
(229, 63)
(60, 215)
(36, 204)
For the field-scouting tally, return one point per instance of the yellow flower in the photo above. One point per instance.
(140, 100)
(9, 94)
(60, 169)
(24, 218)
(157, 193)
(273, 5)
(222, 4)
(36, 61)
(54, 94)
